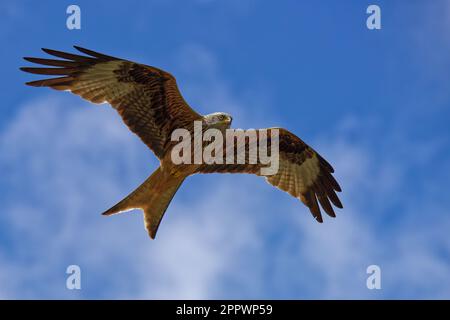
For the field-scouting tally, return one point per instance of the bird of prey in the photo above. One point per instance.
(151, 105)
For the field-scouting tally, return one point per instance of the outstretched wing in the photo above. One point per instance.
(302, 172)
(147, 98)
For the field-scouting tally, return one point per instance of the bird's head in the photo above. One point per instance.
(218, 120)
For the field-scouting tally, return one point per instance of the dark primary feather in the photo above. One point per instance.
(52, 62)
(69, 56)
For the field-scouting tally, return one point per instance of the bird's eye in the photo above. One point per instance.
(221, 117)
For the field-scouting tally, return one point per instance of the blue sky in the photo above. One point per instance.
(376, 104)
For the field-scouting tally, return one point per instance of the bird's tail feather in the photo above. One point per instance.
(153, 197)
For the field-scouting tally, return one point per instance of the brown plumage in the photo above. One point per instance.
(302, 173)
(150, 104)
(147, 98)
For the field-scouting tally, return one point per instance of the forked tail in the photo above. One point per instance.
(153, 197)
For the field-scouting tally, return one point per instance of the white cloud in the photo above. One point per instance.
(68, 163)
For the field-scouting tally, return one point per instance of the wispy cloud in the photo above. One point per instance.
(71, 161)
(207, 91)
(67, 164)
